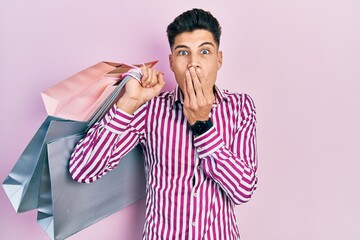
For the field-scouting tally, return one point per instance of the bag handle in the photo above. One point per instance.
(125, 69)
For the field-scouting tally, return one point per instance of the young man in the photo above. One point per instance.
(199, 141)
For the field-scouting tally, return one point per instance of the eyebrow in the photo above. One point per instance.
(180, 46)
(202, 44)
(207, 43)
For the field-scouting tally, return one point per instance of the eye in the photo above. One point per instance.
(204, 51)
(183, 53)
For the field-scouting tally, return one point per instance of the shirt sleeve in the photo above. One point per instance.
(106, 142)
(234, 167)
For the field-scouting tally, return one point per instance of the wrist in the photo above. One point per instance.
(128, 105)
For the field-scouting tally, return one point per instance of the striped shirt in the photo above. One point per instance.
(193, 183)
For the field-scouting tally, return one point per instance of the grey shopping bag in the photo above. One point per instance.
(23, 182)
(66, 206)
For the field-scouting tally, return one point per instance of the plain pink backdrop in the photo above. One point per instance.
(299, 60)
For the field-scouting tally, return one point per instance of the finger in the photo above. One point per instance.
(200, 75)
(147, 80)
(196, 82)
(154, 78)
(151, 78)
(160, 83)
(186, 95)
(161, 79)
(205, 84)
(145, 74)
(190, 87)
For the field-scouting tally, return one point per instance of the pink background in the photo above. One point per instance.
(299, 60)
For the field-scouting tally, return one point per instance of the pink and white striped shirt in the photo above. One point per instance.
(193, 183)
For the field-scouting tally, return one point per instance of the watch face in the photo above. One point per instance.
(200, 127)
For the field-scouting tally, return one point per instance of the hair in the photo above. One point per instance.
(191, 20)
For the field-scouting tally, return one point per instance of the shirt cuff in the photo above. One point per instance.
(116, 120)
(208, 142)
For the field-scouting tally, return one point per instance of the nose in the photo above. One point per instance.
(193, 62)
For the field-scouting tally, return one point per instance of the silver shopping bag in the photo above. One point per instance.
(23, 182)
(66, 206)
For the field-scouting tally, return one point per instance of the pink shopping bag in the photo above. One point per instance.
(78, 96)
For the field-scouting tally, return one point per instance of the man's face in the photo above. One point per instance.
(195, 49)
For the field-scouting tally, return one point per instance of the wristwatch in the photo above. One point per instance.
(200, 127)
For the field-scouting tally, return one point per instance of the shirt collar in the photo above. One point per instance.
(178, 97)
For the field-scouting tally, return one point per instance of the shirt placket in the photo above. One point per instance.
(194, 227)
(194, 211)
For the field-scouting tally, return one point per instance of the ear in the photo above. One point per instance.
(171, 62)
(220, 59)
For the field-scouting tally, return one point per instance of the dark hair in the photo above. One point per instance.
(193, 20)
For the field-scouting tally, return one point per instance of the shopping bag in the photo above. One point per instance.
(66, 206)
(22, 183)
(86, 204)
(29, 185)
(78, 96)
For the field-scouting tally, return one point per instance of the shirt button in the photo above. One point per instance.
(199, 167)
(195, 194)
(193, 223)
(199, 148)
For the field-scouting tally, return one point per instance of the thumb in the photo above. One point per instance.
(161, 82)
